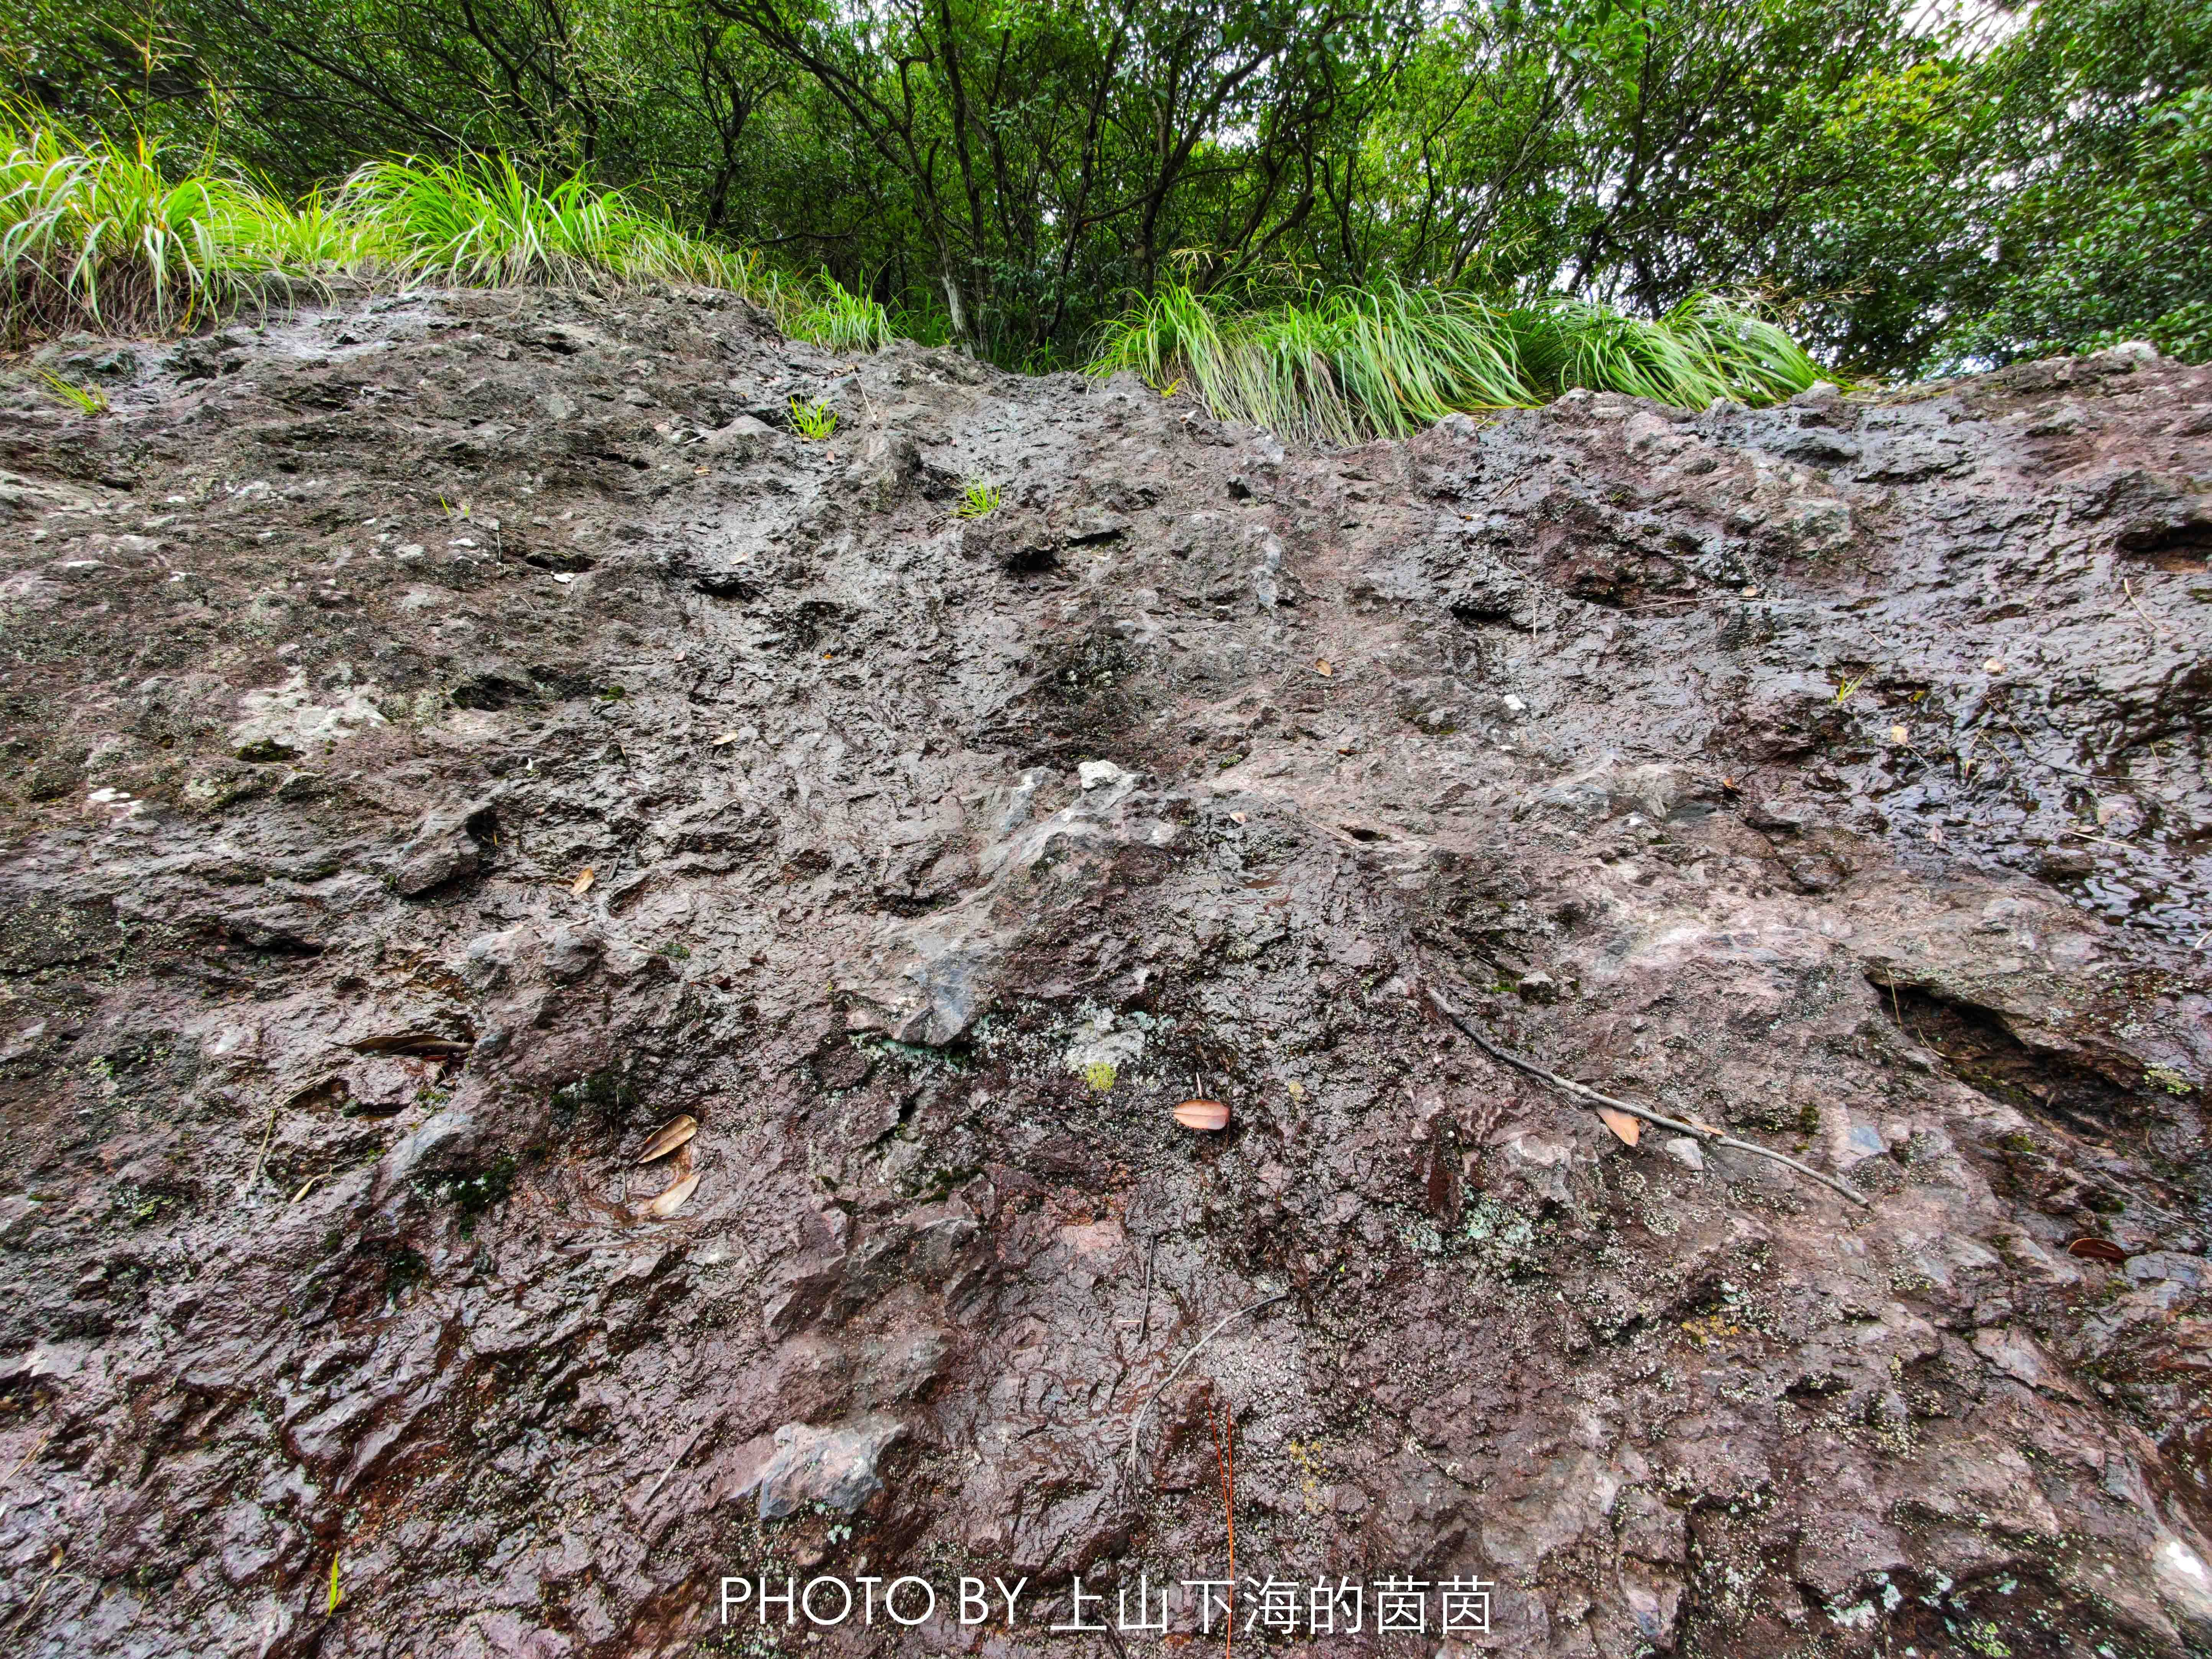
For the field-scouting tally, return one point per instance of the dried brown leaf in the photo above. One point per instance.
(726, 739)
(1323, 668)
(672, 1200)
(1206, 1115)
(583, 883)
(672, 1136)
(1630, 1129)
(2096, 1249)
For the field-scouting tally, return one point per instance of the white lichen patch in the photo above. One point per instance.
(289, 717)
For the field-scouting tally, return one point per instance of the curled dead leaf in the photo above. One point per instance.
(1703, 1127)
(2090, 1249)
(1630, 1129)
(672, 1136)
(1323, 668)
(1898, 735)
(724, 741)
(672, 1200)
(1236, 817)
(583, 882)
(1205, 1115)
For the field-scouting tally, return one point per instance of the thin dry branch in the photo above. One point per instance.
(681, 1452)
(1137, 1423)
(261, 1158)
(1703, 1132)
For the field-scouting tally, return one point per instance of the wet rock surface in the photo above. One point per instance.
(1834, 774)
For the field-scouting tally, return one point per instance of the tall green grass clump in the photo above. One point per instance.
(1349, 364)
(825, 311)
(482, 223)
(102, 234)
(1703, 349)
(109, 235)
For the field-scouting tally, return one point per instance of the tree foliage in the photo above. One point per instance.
(1911, 193)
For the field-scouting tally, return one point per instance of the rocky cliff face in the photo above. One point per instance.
(452, 736)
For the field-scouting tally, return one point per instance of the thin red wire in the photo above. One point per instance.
(1225, 1459)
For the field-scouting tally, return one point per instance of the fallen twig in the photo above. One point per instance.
(681, 1452)
(1137, 1423)
(22, 1617)
(1703, 1132)
(2149, 621)
(2070, 771)
(1498, 494)
(24, 1462)
(261, 1157)
(2099, 841)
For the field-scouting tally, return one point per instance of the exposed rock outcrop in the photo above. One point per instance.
(470, 729)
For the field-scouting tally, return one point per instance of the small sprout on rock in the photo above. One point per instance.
(814, 421)
(1100, 1075)
(978, 500)
(85, 399)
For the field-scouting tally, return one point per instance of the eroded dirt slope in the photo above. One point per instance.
(1834, 774)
